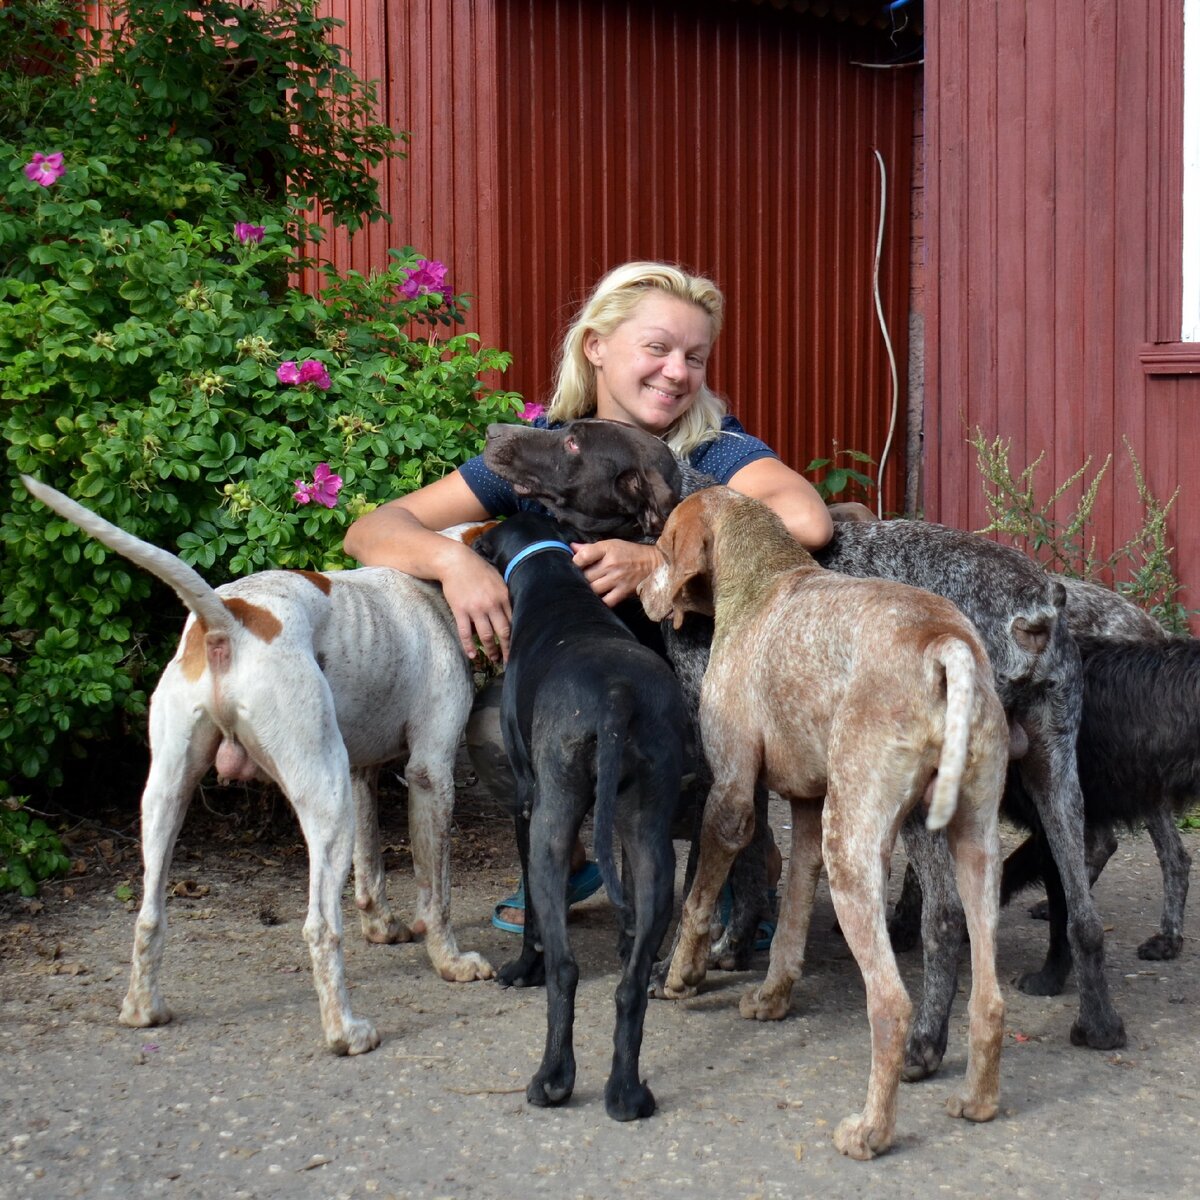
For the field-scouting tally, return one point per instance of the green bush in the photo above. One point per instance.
(145, 323)
(30, 850)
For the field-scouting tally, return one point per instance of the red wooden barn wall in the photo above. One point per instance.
(553, 139)
(1053, 200)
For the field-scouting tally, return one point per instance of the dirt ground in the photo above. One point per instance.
(237, 1098)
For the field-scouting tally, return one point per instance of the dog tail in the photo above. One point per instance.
(958, 663)
(612, 733)
(187, 584)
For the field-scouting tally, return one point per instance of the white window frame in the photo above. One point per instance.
(1190, 331)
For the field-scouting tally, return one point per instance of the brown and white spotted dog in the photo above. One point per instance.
(856, 700)
(311, 680)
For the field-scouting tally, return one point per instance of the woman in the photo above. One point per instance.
(637, 352)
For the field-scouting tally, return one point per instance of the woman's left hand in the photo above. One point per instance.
(614, 568)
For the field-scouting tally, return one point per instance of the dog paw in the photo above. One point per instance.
(1105, 1035)
(971, 1110)
(760, 1005)
(856, 1139)
(548, 1088)
(522, 972)
(384, 929)
(628, 1102)
(723, 954)
(140, 1012)
(1041, 983)
(660, 988)
(358, 1036)
(466, 968)
(921, 1059)
(1040, 911)
(1160, 947)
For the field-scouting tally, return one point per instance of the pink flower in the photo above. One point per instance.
(427, 276)
(309, 371)
(532, 411)
(323, 489)
(312, 371)
(45, 169)
(248, 233)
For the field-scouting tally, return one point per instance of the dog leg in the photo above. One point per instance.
(182, 748)
(1099, 845)
(1050, 776)
(856, 845)
(309, 762)
(748, 880)
(546, 888)
(904, 925)
(529, 969)
(942, 928)
(379, 924)
(771, 1001)
(328, 830)
(975, 844)
(726, 828)
(1175, 862)
(430, 775)
(651, 861)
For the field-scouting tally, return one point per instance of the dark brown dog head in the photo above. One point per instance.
(604, 478)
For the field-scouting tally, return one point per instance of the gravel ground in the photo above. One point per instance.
(236, 1097)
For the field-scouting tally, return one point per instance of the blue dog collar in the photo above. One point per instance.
(529, 551)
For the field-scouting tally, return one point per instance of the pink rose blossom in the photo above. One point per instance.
(427, 276)
(312, 371)
(323, 489)
(248, 233)
(45, 169)
(309, 371)
(532, 411)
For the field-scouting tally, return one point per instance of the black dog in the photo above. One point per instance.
(585, 474)
(588, 714)
(1139, 760)
(1020, 614)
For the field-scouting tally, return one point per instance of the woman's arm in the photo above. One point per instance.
(403, 534)
(790, 496)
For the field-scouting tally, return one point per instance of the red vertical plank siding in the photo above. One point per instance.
(737, 140)
(426, 56)
(1052, 159)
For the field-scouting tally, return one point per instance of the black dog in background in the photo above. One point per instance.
(1139, 760)
(588, 714)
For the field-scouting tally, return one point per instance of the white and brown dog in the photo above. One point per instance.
(856, 700)
(313, 681)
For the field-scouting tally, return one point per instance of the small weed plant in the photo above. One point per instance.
(1065, 546)
(842, 482)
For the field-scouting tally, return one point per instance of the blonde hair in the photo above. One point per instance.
(611, 303)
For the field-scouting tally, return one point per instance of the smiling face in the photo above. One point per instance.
(650, 368)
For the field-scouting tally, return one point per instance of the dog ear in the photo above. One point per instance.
(652, 496)
(470, 534)
(689, 577)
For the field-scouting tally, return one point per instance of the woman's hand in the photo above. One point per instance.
(614, 568)
(402, 534)
(478, 599)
